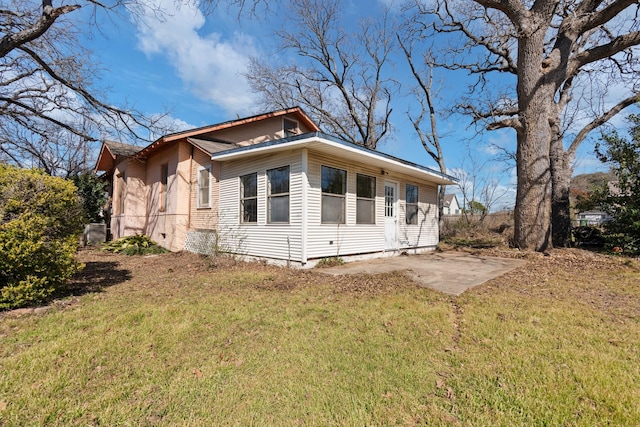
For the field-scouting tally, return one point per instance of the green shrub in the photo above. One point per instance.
(134, 245)
(330, 262)
(92, 191)
(40, 221)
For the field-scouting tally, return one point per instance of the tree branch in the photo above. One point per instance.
(596, 19)
(603, 51)
(49, 15)
(599, 121)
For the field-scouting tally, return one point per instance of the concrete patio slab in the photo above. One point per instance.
(448, 272)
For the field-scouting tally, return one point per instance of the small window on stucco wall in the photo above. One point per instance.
(290, 127)
(204, 186)
(164, 180)
(122, 187)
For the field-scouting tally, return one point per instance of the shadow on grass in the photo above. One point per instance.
(96, 276)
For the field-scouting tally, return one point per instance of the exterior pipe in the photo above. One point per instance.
(305, 185)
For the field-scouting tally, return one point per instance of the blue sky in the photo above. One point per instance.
(191, 65)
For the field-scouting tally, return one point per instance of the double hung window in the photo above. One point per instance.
(334, 190)
(412, 203)
(204, 186)
(249, 198)
(278, 195)
(366, 199)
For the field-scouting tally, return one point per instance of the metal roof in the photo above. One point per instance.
(342, 149)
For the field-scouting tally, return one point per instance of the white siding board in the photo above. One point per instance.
(425, 233)
(349, 238)
(284, 241)
(261, 239)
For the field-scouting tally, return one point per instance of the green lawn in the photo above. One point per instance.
(181, 340)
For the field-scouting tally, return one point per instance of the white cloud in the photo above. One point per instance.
(210, 65)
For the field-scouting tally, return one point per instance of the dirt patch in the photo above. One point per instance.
(586, 277)
(603, 282)
(183, 267)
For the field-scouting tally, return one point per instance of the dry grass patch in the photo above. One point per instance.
(181, 339)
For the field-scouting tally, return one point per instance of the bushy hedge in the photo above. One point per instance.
(41, 218)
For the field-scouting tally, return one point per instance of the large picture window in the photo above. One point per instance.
(249, 198)
(366, 199)
(334, 189)
(278, 195)
(204, 186)
(412, 204)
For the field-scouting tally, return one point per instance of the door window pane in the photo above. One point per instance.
(389, 201)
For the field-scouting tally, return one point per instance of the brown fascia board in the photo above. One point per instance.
(299, 114)
(104, 151)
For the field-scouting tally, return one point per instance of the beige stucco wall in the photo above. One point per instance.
(133, 219)
(266, 130)
(168, 227)
(142, 200)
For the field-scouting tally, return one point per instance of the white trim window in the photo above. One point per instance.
(334, 190)
(278, 195)
(365, 199)
(249, 198)
(204, 186)
(411, 197)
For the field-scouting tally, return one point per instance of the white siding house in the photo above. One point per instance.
(450, 205)
(271, 186)
(343, 200)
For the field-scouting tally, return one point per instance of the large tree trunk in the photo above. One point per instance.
(561, 171)
(532, 213)
(533, 201)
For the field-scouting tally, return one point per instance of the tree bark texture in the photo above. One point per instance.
(532, 214)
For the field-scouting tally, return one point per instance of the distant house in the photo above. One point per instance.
(271, 186)
(450, 205)
(593, 217)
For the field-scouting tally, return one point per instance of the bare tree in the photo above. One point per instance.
(49, 95)
(339, 77)
(546, 46)
(56, 151)
(480, 187)
(422, 92)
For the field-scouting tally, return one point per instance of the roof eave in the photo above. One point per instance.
(380, 159)
(101, 163)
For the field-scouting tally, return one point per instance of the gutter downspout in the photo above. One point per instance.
(305, 185)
